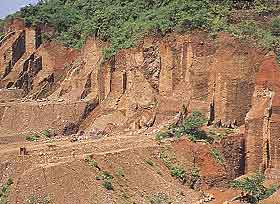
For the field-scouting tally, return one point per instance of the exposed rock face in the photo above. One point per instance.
(142, 87)
(232, 82)
(263, 121)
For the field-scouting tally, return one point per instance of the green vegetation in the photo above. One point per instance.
(32, 138)
(253, 188)
(122, 23)
(217, 155)
(275, 26)
(149, 162)
(191, 127)
(4, 191)
(163, 135)
(220, 133)
(1, 29)
(179, 173)
(91, 162)
(159, 198)
(104, 175)
(194, 177)
(107, 184)
(154, 166)
(189, 177)
(46, 133)
(106, 178)
(120, 172)
(37, 199)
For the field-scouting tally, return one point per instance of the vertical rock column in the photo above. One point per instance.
(32, 39)
(263, 120)
(166, 73)
(274, 148)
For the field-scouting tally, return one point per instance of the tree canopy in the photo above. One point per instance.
(122, 22)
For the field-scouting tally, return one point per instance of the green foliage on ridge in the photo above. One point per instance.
(1, 28)
(123, 22)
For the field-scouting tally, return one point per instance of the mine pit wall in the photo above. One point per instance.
(18, 48)
(274, 140)
(263, 122)
(258, 131)
(20, 65)
(219, 79)
(12, 55)
(32, 117)
(232, 81)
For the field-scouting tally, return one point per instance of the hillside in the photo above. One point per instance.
(140, 102)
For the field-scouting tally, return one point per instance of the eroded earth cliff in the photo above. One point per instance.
(114, 108)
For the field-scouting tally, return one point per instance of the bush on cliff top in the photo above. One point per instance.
(122, 22)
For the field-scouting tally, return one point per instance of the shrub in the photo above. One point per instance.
(149, 162)
(32, 138)
(107, 184)
(123, 23)
(194, 177)
(91, 162)
(163, 135)
(179, 173)
(159, 198)
(46, 133)
(253, 188)
(191, 127)
(217, 155)
(120, 172)
(195, 121)
(107, 175)
(104, 175)
(37, 199)
(275, 26)
(106, 178)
